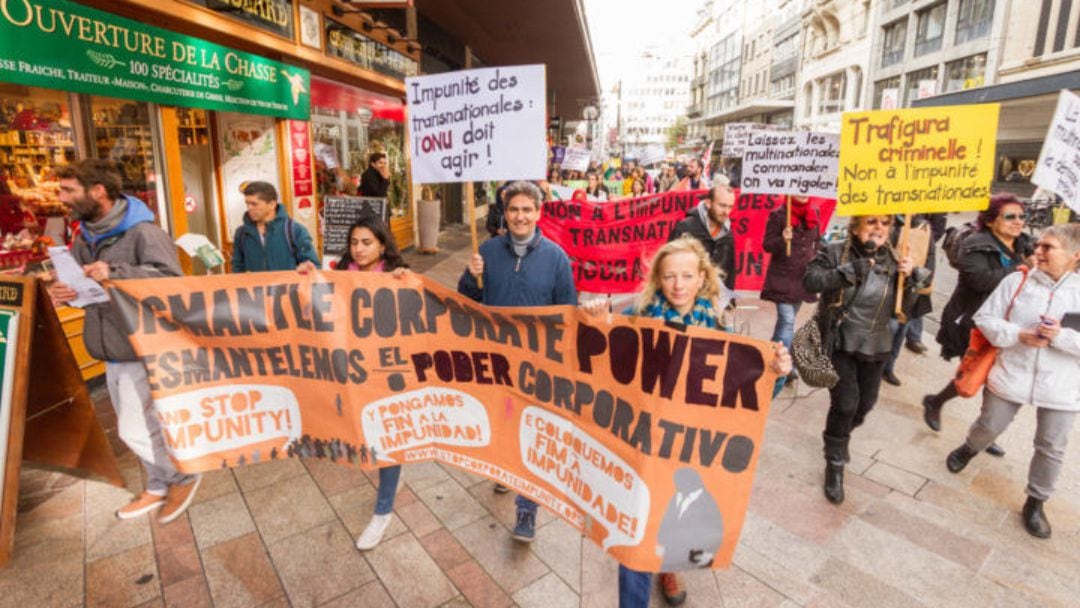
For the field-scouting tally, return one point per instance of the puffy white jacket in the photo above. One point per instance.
(1045, 377)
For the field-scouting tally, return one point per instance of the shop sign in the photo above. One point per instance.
(359, 50)
(62, 45)
(272, 15)
(300, 145)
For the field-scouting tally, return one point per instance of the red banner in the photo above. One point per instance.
(748, 221)
(611, 243)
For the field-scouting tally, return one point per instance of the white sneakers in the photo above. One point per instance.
(374, 532)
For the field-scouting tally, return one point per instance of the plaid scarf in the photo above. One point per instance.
(703, 314)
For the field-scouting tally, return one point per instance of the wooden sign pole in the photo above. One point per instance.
(787, 202)
(905, 232)
(469, 194)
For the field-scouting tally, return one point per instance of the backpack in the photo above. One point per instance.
(954, 236)
(240, 236)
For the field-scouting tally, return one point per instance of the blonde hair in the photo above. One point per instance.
(856, 222)
(710, 287)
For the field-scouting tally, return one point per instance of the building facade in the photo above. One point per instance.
(836, 52)
(652, 99)
(1035, 56)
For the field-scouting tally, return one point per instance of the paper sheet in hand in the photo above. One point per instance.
(68, 271)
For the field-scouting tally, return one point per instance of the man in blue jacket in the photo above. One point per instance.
(269, 239)
(520, 268)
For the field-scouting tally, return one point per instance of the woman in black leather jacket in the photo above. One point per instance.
(857, 279)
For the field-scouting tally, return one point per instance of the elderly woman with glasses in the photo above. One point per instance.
(1033, 319)
(986, 256)
(857, 279)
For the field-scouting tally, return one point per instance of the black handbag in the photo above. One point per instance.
(811, 349)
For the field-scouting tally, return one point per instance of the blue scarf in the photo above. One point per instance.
(703, 314)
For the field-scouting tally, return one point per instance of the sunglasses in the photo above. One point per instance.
(1012, 217)
(873, 221)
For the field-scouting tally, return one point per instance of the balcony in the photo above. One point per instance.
(694, 110)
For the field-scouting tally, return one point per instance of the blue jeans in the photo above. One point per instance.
(785, 322)
(388, 483)
(524, 504)
(910, 331)
(634, 588)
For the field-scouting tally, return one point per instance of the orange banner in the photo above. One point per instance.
(643, 435)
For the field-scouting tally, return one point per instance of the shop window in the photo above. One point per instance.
(892, 50)
(887, 93)
(121, 131)
(921, 84)
(349, 125)
(35, 137)
(966, 73)
(832, 93)
(930, 29)
(973, 19)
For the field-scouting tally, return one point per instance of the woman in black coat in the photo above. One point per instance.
(987, 256)
(857, 280)
(783, 279)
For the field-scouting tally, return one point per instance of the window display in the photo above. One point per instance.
(35, 136)
(122, 132)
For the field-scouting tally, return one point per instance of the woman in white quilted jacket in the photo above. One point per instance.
(1038, 364)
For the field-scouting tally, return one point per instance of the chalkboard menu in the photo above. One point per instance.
(340, 212)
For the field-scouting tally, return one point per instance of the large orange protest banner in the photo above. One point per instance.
(643, 435)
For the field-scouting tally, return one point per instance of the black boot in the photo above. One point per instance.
(1035, 521)
(959, 458)
(995, 450)
(931, 412)
(834, 481)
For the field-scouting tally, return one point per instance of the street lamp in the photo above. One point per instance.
(590, 113)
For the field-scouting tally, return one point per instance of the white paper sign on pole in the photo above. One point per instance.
(478, 125)
(1059, 163)
(576, 159)
(791, 162)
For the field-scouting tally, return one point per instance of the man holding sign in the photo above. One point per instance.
(520, 268)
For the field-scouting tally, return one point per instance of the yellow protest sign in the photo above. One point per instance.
(924, 160)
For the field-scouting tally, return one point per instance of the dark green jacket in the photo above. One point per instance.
(287, 245)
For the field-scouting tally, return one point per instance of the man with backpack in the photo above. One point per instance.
(269, 239)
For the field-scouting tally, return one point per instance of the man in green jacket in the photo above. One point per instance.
(269, 239)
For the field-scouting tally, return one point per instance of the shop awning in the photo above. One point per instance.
(753, 107)
(1032, 87)
(1027, 106)
(516, 32)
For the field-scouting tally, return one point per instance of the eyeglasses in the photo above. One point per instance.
(1045, 246)
(873, 221)
(1012, 217)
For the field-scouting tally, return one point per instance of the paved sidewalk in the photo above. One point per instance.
(281, 533)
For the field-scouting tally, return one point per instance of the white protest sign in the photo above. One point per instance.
(576, 159)
(796, 162)
(735, 135)
(478, 125)
(653, 154)
(1059, 163)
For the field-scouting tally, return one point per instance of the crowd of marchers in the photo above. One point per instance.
(1017, 298)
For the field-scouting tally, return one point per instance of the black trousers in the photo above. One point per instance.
(850, 401)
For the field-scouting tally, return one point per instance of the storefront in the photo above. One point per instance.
(188, 120)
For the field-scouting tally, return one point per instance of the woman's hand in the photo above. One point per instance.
(1032, 337)
(781, 364)
(596, 308)
(399, 273)
(1049, 328)
(906, 266)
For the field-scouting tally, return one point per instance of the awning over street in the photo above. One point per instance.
(513, 32)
